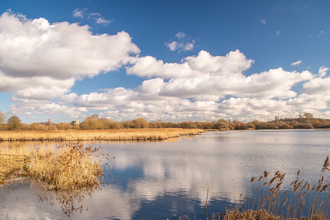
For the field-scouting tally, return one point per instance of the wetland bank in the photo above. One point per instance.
(169, 179)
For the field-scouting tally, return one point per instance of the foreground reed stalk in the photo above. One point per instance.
(304, 201)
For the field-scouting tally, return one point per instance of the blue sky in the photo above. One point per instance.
(168, 60)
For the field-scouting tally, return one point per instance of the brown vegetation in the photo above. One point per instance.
(67, 166)
(303, 201)
(71, 166)
(90, 135)
(94, 122)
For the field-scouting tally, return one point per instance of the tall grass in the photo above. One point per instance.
(301, 201)
(105, 135)
(10, 169)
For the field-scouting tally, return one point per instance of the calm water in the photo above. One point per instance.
(160, 180)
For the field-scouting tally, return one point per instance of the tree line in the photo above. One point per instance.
(94, 122)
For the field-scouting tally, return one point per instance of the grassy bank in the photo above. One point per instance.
(100, 135)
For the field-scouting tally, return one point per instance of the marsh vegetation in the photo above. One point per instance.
(98, 135)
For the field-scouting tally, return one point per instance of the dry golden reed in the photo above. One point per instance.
(301, 203)
(13, 159)
(71, 166)
(101, 135)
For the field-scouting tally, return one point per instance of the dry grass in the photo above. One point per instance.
(101, 135)
(71, 166)
(303, 201)
(10, 169)
(67, 166)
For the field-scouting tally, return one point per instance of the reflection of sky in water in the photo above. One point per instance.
(170, 179)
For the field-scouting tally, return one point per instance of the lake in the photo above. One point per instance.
(170, 179)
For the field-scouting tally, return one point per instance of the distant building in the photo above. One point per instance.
(74, 123)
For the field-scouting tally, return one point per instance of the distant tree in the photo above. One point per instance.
(2, 118)
(64, 126)
(222, 120)
(49, 122)
(255, 122)
(248, 126)
(14, 123)
(308, 115)
(140, 123)
(92, 122)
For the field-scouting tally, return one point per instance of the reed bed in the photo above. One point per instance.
(101, 135)
(70, 166)
(10, 169)
(301, 201)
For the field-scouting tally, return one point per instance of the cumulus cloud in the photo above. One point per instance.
(323, 71)
(182, 44)
(296, 63)
(263, 21)
(40, 63)
(193, 66)
(60, 50)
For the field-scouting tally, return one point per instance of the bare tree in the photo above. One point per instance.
(308, 115)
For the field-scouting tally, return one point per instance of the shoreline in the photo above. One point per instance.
(146, 134)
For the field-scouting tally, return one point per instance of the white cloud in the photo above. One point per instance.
(278, 33)
(263, 21)
(181, 44)
(296, 63)
(317, 85)
(323, 71)
(193, 66)
(60, 50)
(41, 92)
(79, 13)
(103, 21)
(12, 83)
(40, 62)
(67, 98)
(321, 33)
(180, 35)
(173, 45)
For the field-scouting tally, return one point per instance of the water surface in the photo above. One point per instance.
(160, 180)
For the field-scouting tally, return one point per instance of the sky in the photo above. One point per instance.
(164, 60)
